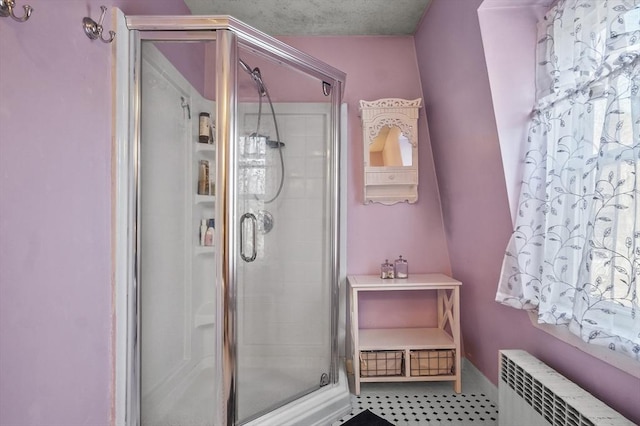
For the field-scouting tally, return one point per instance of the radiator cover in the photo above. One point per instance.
(533, 394)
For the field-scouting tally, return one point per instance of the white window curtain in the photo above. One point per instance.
(574, 255)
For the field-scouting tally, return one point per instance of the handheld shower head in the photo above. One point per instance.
(245, 67)
(255, 76)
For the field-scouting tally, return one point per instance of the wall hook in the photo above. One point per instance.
(185, 105)
(93, 30)
(6, 9)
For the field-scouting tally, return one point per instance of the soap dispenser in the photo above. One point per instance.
(203, 231)
(401, 268)
(209, 235)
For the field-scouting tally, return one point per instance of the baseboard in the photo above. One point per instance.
(470, 372)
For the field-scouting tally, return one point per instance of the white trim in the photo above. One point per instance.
(120, 212)
(342, 298)
(496, 4)
(615, 359)
(318, 408)
(478, 379)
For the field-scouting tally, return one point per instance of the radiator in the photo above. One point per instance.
(530, 393)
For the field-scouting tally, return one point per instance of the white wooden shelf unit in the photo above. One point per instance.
(445, 336)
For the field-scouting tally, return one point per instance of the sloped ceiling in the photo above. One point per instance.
(320, 17)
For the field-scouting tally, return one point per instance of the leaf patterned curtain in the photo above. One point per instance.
(574, 255)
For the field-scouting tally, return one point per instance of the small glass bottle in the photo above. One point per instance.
(203, 178)
(386, 270)
(402, 268)
(204, 127)
(203, 231)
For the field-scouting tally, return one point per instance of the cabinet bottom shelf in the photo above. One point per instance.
(409, 365)
(404, 338)
(409, 378)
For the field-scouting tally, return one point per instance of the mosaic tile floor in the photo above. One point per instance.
(429, 404)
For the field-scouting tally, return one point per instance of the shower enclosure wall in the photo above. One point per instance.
(227, 254)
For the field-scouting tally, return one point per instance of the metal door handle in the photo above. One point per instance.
(254, 222)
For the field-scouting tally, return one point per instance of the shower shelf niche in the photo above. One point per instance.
(203, 250)
(205, 315)
(205, 147)
(205, 199)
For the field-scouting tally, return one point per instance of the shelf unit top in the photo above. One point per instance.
(414, 281)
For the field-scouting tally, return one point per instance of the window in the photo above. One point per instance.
(575, 252)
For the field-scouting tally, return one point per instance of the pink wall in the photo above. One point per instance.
(476, 210)
(511, 69)
(385, 67)
(55, 214)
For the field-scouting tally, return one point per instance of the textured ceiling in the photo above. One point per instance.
(320, 17)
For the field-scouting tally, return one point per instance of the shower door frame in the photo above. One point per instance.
(229, 34)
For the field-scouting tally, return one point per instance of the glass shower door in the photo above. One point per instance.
(283, 207)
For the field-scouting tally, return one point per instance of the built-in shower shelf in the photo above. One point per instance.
(203, 320)
(202, 250)
(205, 315)
(205, 147)
(205, 199)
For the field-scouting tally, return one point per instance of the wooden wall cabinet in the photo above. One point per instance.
(390, 142)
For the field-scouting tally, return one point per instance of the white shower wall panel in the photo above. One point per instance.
(165, 275)
(287, 322)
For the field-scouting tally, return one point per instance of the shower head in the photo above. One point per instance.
(255, 76)
(269, 142)
(245, 67)
(274, 144)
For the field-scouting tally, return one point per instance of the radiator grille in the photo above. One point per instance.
(556, 399)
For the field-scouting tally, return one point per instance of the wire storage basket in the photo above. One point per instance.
(381, 363)
(435, 362)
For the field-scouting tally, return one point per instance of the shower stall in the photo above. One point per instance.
(227, 195)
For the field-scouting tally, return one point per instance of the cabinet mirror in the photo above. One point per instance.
(390, 148)
(390, 133)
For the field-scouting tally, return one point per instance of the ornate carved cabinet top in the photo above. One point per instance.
(403, 106)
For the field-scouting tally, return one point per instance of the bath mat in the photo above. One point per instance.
(367, 418)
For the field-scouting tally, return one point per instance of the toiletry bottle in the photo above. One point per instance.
(204, 127)
(203, 231)
(212, 132)
(203, 178)
(402, 268)
(208, 237)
